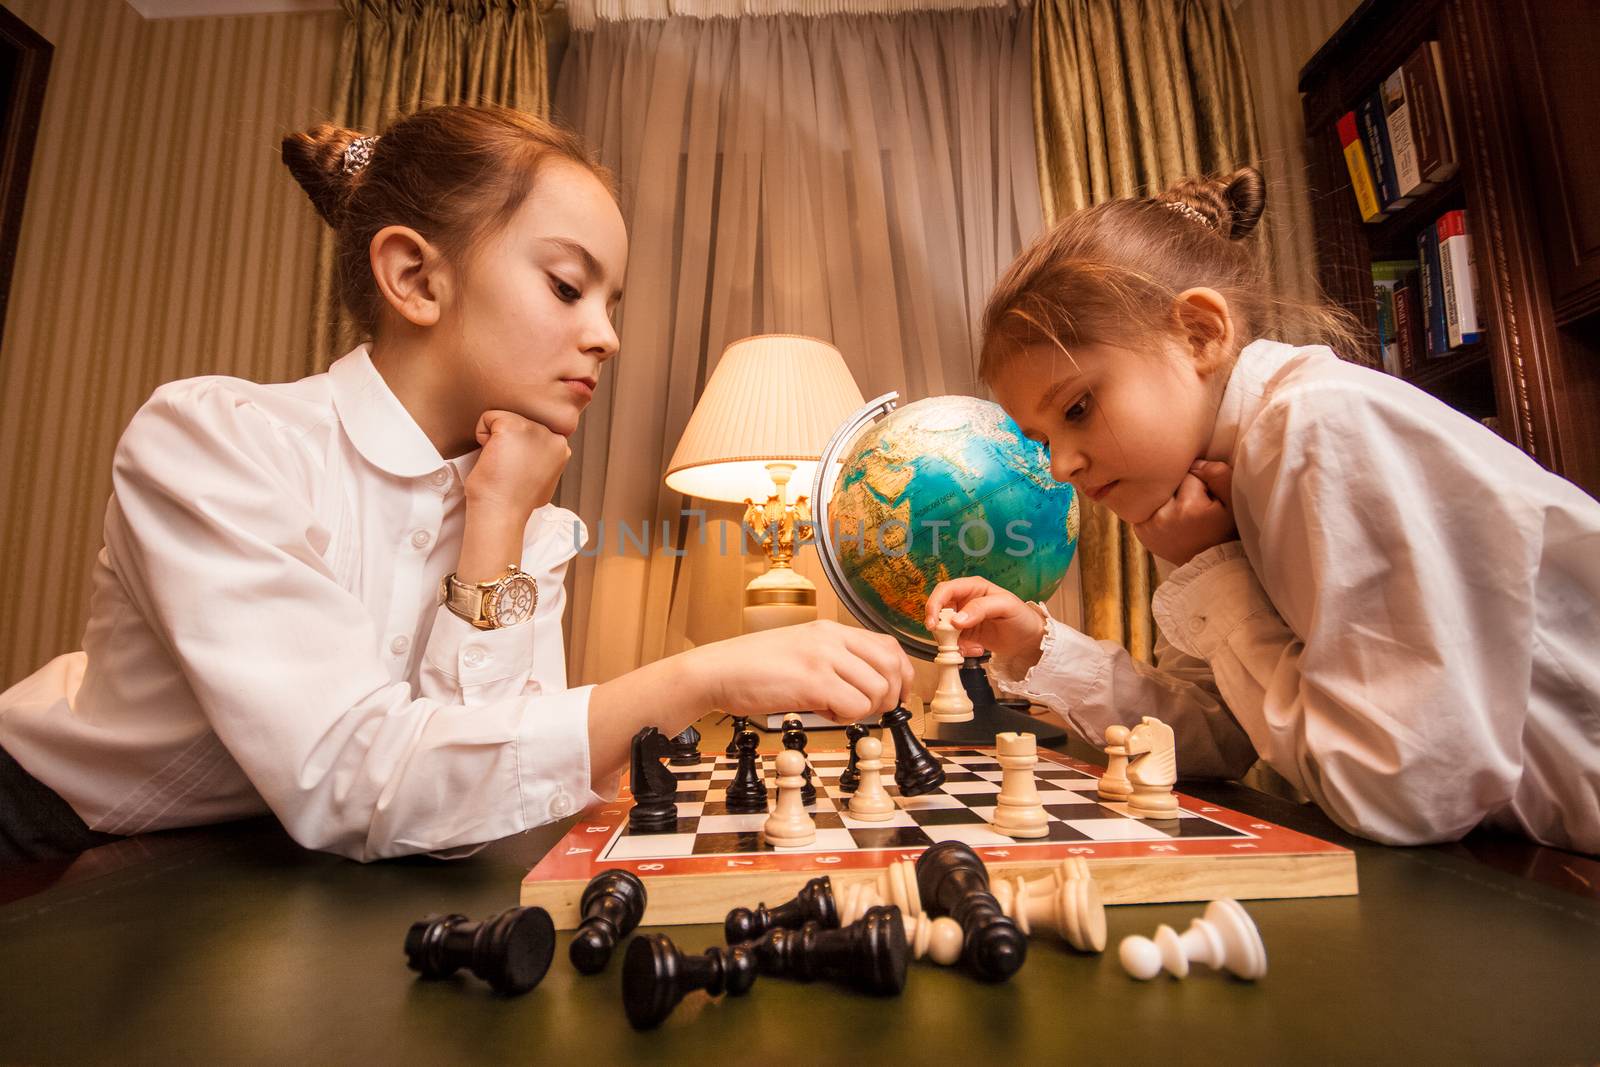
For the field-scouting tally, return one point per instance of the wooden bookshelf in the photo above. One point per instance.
(1509, 77)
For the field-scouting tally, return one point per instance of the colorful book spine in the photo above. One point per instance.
(1409, 181)
(1386, 277)
(1355, 160)
(1405, 324)
(1438, 341)
(1376, 135)
(1425, 108)
(1456, 263)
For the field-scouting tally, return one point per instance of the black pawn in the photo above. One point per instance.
(795, 738)
(953, 881)
(686, 748)
(850, 780)
(655, 788)
(511, 951)
(656, 975)
(915, 771)
(612, 905)
(747, 793)
(814, 903)
(870, 954)
(741, 723)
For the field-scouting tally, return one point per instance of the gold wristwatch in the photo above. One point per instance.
(506, 601)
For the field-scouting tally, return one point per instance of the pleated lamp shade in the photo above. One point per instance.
(773, 398)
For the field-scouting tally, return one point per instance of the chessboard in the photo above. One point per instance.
(714, 861)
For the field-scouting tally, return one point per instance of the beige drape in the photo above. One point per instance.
(397, 56)
(862, 179)
(1129, 96)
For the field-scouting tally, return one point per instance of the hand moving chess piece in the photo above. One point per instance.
(1018, 811)
(915, 771)
(953, 881)
(655, 788)
(950, 701)
(789, 825)
(1152, 770)
(871, 954)
(852, 773)
(1225, 938)
(1114, 783)
(511, 951)
(656, 975)
(794, 738)
(611, 906)
(686, 748)
(871, 802)
(814, 903)
(747, 793)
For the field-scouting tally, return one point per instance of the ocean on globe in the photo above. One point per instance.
(944, 488)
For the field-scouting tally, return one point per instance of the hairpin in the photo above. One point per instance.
(357, 154)
(1187, 212)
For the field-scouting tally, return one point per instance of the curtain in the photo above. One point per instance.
(858, 178)
(1129, 96)
(398, 56)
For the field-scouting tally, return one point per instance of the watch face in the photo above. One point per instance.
(513, 601)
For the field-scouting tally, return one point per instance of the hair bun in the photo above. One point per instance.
(316, 159)
(1231, 204)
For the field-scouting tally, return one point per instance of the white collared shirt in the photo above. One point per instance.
(1408, 629)
(264, 634)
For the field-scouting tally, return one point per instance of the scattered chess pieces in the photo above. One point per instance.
(915, 771)
(950, 701)
(871, 802)
(655, 788)
(611, 906)
(686, 748)
(1070, 906)
(1114, 784)
(511, 951)
(1225, 938)
(814, 903)
(953, 881)
(851, 778)
(1152, 770)
(789, 826)
(747, 793)
(939, 939)
(794, 738)
(1018, 811)
(741, 723)
(870, 955)
(656, 976)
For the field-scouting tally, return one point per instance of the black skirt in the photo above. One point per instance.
(35, 823)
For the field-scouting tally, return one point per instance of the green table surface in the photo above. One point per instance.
(233, 944)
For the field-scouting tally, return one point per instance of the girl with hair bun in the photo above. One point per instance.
(1392, 606)
(339, 600)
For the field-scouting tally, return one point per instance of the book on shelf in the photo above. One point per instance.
(1387, 275)
(1406, 320)
(1433, 315)
(1355, 160)
(1428, 106)
(1375, 138)
(1457, 279)
(1409, 181)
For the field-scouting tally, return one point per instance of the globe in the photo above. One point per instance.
(941, 488)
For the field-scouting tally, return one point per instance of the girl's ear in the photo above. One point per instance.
(1206, 323)
(409, 272)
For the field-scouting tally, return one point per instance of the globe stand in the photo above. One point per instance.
(989, 716)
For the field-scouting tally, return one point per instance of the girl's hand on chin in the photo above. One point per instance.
(1199, 515)
(521, 463)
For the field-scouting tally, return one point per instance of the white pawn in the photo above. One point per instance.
(939, 940)
(789, 825)
(950, 701)
(1114, 783)
(1018, 812)
(897, 885)
(1224, 939)
(870, 802)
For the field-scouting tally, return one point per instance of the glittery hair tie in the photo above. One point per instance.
(1188, 212)
(357, 154)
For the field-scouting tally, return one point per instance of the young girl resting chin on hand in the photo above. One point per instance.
(1390, 605)
(266, 631)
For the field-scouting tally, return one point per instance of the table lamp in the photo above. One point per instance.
(761, 422)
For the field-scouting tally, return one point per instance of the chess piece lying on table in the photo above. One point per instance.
(1066, 901)
(612, 904)
(511, 951)
(938, 939)
(1224, 939)
(953, 881)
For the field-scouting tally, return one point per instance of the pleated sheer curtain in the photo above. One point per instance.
(863, 178)
(398, 56)
(1128, 97)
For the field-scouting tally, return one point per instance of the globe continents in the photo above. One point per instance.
(944, 488)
